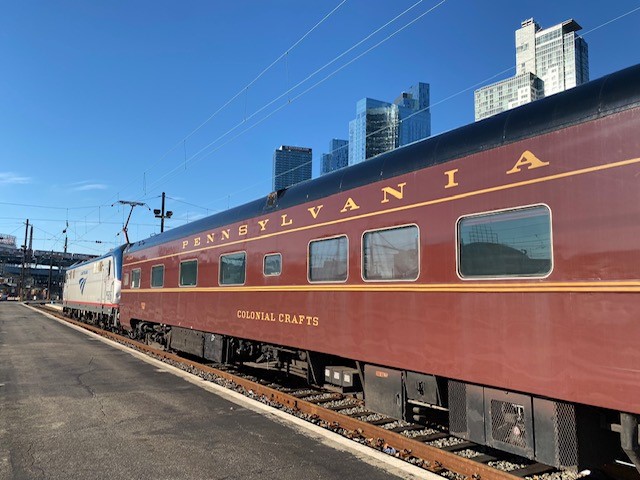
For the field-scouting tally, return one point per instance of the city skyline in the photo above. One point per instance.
(102, 103)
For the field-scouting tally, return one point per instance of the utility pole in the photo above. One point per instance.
(31, 245)
(50, 272)
(161, 214)
(59, 277)
(31, 260)
(24, 259)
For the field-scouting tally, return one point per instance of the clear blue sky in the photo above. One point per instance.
(99, 100)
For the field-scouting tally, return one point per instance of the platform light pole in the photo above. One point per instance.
(65, 237)
(161, 214)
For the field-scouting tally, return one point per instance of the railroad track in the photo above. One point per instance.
(429, 447)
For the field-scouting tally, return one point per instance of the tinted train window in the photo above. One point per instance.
(514, 243)
(272, 264)
(391, 254)
(188, 273)
(135, 278)
(157, 276)
(328, 260)
(232, 268)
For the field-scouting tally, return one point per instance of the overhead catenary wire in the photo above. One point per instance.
(492, 77)
(243, 89)
(453, 95)
(315, 85)
(75, 221)
(147, 188)
(610, 21)
(193, 157)
(475, 85)
(29, 205)
(263, 72)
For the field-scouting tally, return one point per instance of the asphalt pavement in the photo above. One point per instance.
(73, 406)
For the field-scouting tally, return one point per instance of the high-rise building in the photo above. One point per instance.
(381, 126)
(414, 114)
(547, 61)
(337, 158)
(291, 165)
(373, 131)
(508, 94)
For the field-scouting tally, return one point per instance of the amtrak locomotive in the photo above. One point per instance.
(92, 289)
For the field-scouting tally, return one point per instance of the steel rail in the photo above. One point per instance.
(435, 460)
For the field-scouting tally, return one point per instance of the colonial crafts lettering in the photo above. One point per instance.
(301, 319)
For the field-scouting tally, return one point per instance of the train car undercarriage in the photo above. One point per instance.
(565, 435)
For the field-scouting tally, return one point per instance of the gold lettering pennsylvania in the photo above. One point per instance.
(318, 213)
(389, 193)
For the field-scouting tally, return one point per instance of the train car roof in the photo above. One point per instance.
(116, 251)
(609, 94)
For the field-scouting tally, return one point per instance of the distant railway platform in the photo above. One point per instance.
(73, 406)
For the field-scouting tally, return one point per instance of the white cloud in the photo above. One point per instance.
(89, 186)
(8, 178)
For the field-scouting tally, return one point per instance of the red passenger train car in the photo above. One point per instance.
(492, 271)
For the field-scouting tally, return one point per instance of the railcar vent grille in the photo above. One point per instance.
(457, 407)
(508, 424)
(565, 430)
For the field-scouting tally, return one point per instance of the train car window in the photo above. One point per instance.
(135, 278)
(157, 276)
(513, 243)
(126, 279)
(233, 268)
(391, 254)
(108, 268)
(328, 260)
(272, 264)
(188, 273)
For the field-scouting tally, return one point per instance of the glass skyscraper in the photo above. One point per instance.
(291, 165)
(381, 126)
(547, 61)
(414, 114)
(337, 158)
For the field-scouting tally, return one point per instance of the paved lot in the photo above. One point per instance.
(73, 407)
